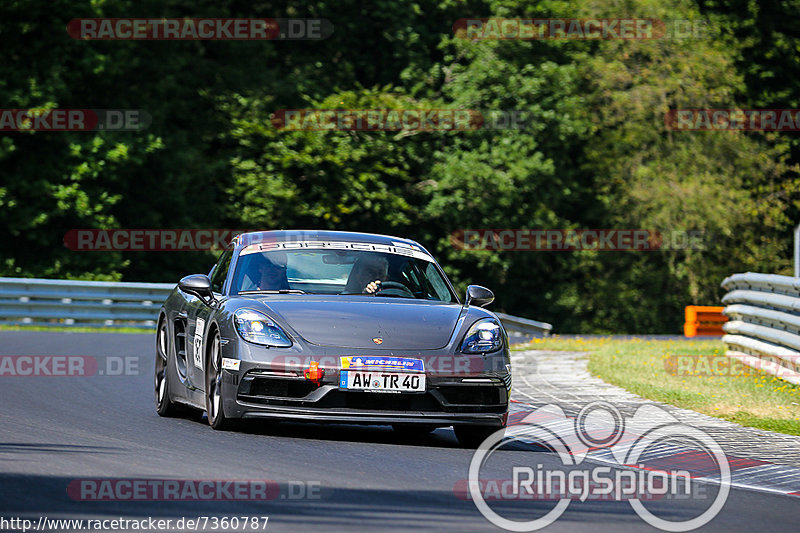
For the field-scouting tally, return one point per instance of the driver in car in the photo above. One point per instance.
(378, 272)
(367, 275)
(373, 287)
(271, 273)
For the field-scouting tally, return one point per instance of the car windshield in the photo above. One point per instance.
(326, 271)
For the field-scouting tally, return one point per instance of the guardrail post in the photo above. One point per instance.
(797, 251)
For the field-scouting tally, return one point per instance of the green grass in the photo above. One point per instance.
(673, 371)
(79, 329)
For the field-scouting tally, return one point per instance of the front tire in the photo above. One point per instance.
(214, 403)
(164, 405)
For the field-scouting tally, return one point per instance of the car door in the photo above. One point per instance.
(199, 315)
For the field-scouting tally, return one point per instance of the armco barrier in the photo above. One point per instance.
(58, 303)
(764, 327)
(49, 302)
(524, 326)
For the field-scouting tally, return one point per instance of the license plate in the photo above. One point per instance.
(376, 381)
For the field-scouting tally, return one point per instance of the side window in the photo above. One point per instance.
(442, 292)
(221, 270)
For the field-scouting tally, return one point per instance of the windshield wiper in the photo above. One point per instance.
(376, 294)
(280, 291)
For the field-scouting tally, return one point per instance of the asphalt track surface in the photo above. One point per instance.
(59, 429)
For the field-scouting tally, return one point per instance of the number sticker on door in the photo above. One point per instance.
(199, 328)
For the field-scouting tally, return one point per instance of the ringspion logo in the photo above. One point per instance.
(630, 442)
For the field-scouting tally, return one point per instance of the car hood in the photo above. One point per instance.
(354, 323)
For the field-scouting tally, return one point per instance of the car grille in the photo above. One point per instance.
(445, 398)
(467, 395)
(266, 387)
(365, 401)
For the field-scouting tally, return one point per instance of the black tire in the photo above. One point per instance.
(164, 405)
(413, 430)
(472, 436)
(214, 405)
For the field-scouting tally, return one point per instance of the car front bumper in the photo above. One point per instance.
(252, 392)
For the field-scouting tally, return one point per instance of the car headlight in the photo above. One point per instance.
(258, 328)
(483, 337)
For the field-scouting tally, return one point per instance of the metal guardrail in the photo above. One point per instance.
(58, 303)
(523, 326)
(764, 327)
(49, 302)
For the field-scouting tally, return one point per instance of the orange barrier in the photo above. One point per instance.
(704, 320)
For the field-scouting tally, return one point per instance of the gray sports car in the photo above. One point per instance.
(329, 326)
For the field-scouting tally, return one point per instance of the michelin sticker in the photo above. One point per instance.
(199, 328)
(366, 362)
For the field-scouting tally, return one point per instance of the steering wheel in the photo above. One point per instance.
(393, 285)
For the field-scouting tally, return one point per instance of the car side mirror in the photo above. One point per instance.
(197, 285)
(480, 296)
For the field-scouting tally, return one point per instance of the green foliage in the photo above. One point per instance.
(594, 154)
(324, 179)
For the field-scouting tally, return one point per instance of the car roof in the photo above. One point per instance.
(244, 239)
